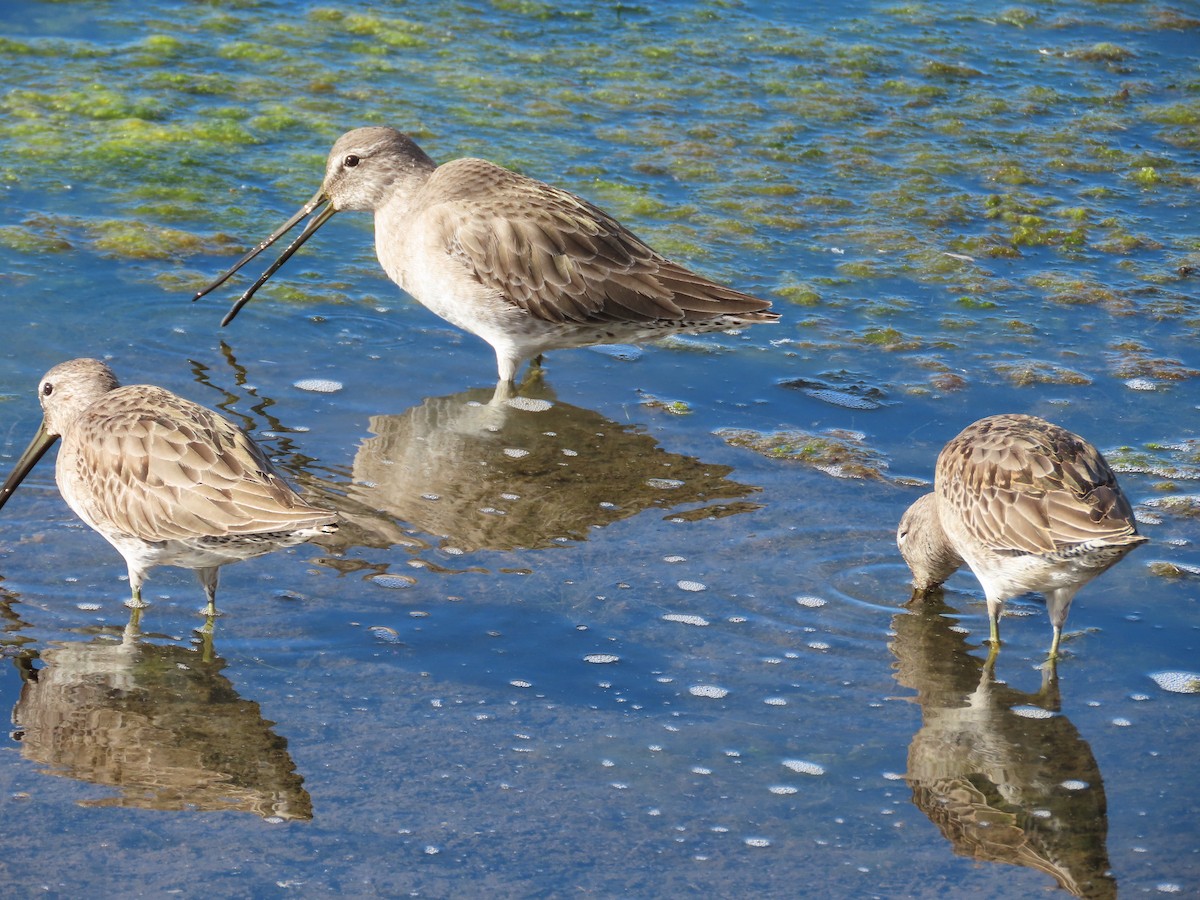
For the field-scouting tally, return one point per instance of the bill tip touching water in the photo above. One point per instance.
(525, 266)
(164, 480)
(1028, 506)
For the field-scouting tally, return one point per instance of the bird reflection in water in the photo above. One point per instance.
(158, 722)
(527, 473)
(1001, 773)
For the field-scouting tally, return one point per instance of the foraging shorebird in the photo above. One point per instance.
(164, 480)
(526, 266)
(1028, 506)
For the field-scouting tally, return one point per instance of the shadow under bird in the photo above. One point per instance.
(526, 266)
(1028, 506)
(164, 480)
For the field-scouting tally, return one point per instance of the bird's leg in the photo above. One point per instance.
(135, 600)
(995, 610)
(209, 577)
(1055, 642)
(1058, 604)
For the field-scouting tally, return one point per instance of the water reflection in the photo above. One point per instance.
(529, 472)
(159, 722)
(1002, 775)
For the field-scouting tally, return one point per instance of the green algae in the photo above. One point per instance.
(34, 240)
(836, 452)
(1132, 359)
(673, 407)
(795, 137)
(1029, 372)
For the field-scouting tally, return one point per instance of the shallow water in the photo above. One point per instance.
(645, 634)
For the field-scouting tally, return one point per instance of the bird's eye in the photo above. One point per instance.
(47, 389)
(351, 161)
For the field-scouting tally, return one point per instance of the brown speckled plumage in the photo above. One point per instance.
(1029, 506)
(164, 480)
(524, 265)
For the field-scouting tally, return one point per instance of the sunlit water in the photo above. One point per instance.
(605, 640)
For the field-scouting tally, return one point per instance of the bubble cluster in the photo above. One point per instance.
(1032, 712)
(530, 404)
(804, 767)
(318, 385)
(685, 619)
(1178, 682)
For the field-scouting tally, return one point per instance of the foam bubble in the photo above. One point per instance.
(529, 404)
(1178, 682)
(319, 385)
(601, 658)
(708, 690)
(1032, 712)
(804, 767)
(685, 619)
(393, 582)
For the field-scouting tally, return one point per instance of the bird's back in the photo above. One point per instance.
(1018, 484)
(560, 258)
(144, 462)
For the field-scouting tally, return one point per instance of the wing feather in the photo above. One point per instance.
(158, 467)
(560, 258)
(1026, 485)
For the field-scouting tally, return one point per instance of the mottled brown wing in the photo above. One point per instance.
(560, 258)
(159, 467)
(1025, 484)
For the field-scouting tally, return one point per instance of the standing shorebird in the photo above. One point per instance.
(162, 479)
(1029, 506)
(524, 265)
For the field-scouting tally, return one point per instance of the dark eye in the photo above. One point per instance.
(47, 389)
(350, 161)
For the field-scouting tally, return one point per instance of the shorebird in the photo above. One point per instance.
(1028, 506)
(164, 480)
(526, 266)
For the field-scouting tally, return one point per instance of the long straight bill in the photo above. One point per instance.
(309, 230)
(37, 448)
(275, 235)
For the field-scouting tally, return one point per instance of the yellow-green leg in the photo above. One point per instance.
(135, 600)
(209, 578)
(1055, 641)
